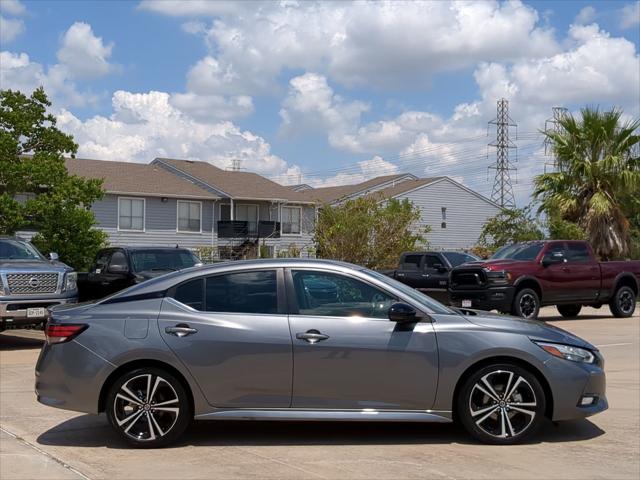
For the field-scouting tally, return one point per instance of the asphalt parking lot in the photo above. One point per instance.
(42, 442)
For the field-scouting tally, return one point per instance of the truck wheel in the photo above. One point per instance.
(623, 302)
(526, 304)
(569, 311)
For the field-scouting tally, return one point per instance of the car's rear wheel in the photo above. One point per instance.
(501, 404)
(569, 311)
(623, 302)
(526, 304)
(148, 407)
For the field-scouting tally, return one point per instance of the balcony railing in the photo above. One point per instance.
(245, 229)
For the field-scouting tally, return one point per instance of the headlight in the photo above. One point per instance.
(71, 281)
(500, 277)
(575, 354)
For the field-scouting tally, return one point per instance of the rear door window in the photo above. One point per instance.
(243, 292)
(412, 262)
(578, 252)
(191, 294)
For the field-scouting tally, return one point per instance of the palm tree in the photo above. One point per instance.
(597, 175)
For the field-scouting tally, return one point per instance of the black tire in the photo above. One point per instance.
(569, 311)
(623, 302)
(486, 424)
(526, 304)
(148, 427)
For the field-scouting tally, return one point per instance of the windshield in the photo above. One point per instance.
(16, 250)
(456, 258)
(148, 260)
(421, 298)
(519, 251)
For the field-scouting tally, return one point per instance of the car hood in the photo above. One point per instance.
(148, 274)
(534, 329)
(495, 264)
(33, 266)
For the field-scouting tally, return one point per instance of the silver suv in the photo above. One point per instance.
(30, 282)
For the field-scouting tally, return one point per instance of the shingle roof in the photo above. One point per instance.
(240, 185)
(136, 178)
(331, 194)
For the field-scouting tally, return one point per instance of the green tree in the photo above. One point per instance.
(368, 231)
(57, 204)
(596, 173)
(509, 226)
(561, 229)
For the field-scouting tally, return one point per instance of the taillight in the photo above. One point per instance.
(63, 332)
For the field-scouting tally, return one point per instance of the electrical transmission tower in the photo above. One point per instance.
(236, 165)
(502, 192)
(553, 125)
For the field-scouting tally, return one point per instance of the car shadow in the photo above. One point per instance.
(560, 318)
(21, 340)
(94, 431)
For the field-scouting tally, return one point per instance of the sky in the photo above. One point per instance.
(322, 93)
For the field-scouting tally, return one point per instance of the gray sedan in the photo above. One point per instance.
(308, 340)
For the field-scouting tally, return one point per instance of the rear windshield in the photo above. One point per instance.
(520, 251)
(149, 260)
(15, 250)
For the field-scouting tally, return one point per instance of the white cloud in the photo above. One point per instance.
(630, 15)
(365, 170)
(12, 7)
(312, 104)
(147, 125)
(210, 107)
(586, 15)
(84, 54)
(384, 44)
(10, 28)
(18, 72)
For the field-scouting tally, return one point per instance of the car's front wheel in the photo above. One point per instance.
(501, 404)
(148, 407)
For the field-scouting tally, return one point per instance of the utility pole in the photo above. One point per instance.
(553, 125)
(502, 192)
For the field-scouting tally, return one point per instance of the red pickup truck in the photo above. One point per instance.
(521, 278)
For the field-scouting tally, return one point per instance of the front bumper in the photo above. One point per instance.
(13, 310)
(491, 298)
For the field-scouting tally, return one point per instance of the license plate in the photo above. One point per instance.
(36, 312)
(466, 303)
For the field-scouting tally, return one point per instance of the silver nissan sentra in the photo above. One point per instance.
(308, 340)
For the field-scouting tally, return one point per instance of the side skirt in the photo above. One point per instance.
(293, 414)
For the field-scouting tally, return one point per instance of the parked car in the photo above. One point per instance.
(117, 268)
(525, 276)
(221, 342)
(429, 271)
(30, 282)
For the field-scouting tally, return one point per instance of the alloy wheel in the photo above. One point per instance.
(528, 305)
(146, 407)
(626, 301)
(503, 404)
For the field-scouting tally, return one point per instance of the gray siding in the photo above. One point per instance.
(466, 214)
(160, 224)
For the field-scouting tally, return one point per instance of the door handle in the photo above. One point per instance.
(181, 330)
(426, 275)
(312, 336)
(565, 269)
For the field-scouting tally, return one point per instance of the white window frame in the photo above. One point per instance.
(144, 215)
(299, 208)
(178, 216)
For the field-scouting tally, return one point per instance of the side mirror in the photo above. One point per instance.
(118, 268)
(53, 256)
(553, 258)
(402, 313)
(439, 267)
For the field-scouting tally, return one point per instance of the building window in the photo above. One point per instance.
(131, 214)
(291, 222)
(189, 216)
(444, 217)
